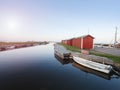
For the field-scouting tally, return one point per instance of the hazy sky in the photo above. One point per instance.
(26, 20)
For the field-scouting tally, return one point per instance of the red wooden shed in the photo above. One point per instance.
(70, 42)
(64, 42)
(84, 42)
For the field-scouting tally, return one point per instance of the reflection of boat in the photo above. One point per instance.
(88, 70)
(93, 65)
(62, 61)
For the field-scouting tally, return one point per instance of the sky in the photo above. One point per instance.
(55, 20)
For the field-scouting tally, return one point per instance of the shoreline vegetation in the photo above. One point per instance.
(114, 58)
(4, 46)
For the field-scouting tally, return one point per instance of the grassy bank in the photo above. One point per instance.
(109, 56)
(16, 43)
(21, 43)
(71, 48)
(112, 57)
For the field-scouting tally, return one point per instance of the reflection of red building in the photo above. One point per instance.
(83, 42)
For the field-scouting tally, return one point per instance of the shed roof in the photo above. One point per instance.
(85, 36)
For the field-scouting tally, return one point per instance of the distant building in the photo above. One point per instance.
(118, 45)
(82, 42)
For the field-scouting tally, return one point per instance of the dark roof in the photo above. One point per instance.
(71, 38)
(85, 36)
(79, 37)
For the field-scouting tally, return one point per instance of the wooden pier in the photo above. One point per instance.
(61, 52)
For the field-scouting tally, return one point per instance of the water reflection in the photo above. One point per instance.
(37, 68)
(63, 62)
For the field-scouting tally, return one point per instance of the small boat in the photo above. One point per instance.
(91, 71)
(93, 65)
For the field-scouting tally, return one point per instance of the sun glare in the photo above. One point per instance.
(12, 22)
(12, 25)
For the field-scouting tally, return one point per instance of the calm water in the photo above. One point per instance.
(37, 68)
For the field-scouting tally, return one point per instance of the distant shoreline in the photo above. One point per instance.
(4, 46)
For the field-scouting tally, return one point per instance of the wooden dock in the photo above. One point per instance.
(60, 51)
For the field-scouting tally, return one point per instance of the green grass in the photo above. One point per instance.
(109, 56)
(71, 48)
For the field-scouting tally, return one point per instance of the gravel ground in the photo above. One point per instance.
(113, 51)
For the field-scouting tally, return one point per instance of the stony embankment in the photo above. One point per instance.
(94, 58)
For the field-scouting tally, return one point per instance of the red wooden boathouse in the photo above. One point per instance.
(83, 42)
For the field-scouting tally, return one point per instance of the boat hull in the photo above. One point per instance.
(93, 65)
